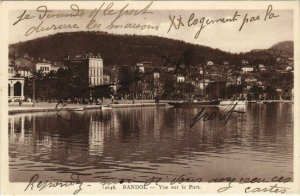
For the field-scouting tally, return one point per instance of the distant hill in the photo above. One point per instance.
(116, 49)
(286, 46)
(128, 49)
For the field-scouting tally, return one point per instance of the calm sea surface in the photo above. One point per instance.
(139, 143)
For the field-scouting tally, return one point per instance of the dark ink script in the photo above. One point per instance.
(177, 22)
(36, 183)
(205, 116)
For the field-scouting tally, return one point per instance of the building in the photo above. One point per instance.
(225, 62)
(244, 62)
(210, 63)
(11, 71)
(140, 67)
(88, 66)
(171, 69)
(289, 68)
(15, 85)
(44, 67)
(261, 67)
(57, 65)
(180, 79)
(251, 80)
(106, 79)
(247, 69)
(24, 66)
(156, 75)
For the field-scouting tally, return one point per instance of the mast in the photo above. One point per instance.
(204, 90)
(236, 76)
(33, 90)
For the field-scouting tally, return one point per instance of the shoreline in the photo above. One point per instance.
(46, 107)
(31, 109)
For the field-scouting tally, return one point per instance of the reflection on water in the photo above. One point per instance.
(138, 143)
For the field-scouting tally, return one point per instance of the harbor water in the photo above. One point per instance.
(140, 143)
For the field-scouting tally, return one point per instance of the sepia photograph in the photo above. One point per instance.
(126, 93)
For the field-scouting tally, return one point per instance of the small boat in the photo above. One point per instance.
(76, 109)
(233, 102)
(195, 103)
(106, 107)
(251, 101)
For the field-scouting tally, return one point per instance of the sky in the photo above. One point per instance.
(259, 34)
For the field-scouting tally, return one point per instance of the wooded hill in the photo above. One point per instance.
(131, 49)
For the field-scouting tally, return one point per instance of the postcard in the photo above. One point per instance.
(149, 97)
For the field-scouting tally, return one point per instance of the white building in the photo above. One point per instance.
(180, 79)
(88, 66)
(15, 85)
(247, 69)
(96, 70)
(209, 63)
(156, 75)
(45, 67)
(261, 67)
(288, 68)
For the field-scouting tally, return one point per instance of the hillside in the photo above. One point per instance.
(286, 46)
(128, 49)
(117, 49)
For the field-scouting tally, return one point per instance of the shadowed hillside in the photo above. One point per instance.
(117, 49)
(286, 46)
(129, 49)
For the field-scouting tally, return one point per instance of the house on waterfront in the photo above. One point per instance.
(15, 84)
(88, 66)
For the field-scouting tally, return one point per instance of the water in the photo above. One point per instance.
(139, 143)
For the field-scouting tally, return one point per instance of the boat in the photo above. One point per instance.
(76, 109)
(251, 101)
(194, 103)
(106, 107)
(233, 102)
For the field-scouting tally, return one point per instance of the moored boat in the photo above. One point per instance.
(233, 102)
(106, 107)
(76, 109)
(187, 104)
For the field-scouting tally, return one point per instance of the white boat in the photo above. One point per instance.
(233, 102)
(106, 107)
(76, 109)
